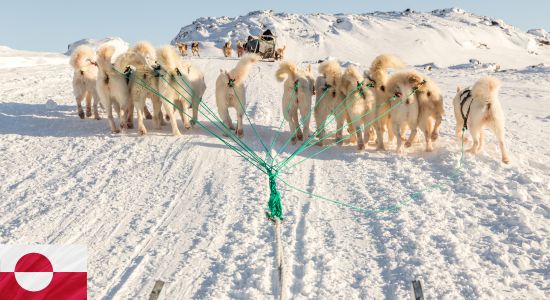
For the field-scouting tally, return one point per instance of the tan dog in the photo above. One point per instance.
(477, 108)
(378, 75)
(227, 50)
(83, 61)
(360, 104)
(240, 49)
(195, 49)
(231, 92)
(280, 53)
(326, 86)
(431, 111)
(298, 90)
(182, 48)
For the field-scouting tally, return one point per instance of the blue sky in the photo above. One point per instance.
(51, 25)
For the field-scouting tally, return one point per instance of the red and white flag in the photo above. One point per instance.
(43, 272)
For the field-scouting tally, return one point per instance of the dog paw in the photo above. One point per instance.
(187, 126)
(97, 117)
(239, 132)
(352, 139)
(408, 144)
(129, 125)
(148, 116)
(293, 140)
(506, 160)
(361, 146)
(142, 131)
(88, 113)
(435, 135)
(193, 122)
(115, 130)
(81, 114)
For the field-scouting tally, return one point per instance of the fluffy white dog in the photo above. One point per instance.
(378, 75)
(231, 92)
(298, 90)
(360, 104)
(405, 106)
(477, 108)
(195, 79)
(112, 88)
(172, 86)
(326, 86)
(431, 111)
(83, 61)
(146, 50)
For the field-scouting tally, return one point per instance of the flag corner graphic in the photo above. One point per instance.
(43, 272)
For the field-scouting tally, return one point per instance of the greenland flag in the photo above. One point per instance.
(43, 272)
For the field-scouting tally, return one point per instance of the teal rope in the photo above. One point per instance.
(392, 208)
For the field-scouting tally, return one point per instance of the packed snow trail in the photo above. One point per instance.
(190, 212)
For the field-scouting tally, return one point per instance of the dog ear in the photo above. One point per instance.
(414, 78)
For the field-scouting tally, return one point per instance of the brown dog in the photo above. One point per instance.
(240, 49)
(195, 49)
(280, 53)
(182, 48)
(227, 50)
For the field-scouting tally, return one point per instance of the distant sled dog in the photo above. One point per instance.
(298, 90)
(227, 84)
(477, 108)
(83, 61)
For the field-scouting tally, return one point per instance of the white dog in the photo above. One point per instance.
(83, 61)
(405, 108)
(195, 79)
(112, 88)
(431, 111)
(298, 90)
(146, 50)
(172, 87)
(378, 75)
(360, 104)
(230, 91)
(477, 108)
(328, 99)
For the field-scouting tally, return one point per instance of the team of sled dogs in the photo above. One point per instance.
(372, 103)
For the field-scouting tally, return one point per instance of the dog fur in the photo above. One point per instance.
(240, 49)
(280, 53)
(431, 111)
(300, 100)
(195, 78)
(227, 50)
(225, 96)
(83, 61)
(485, 111)
(379, 74)
(195, 49)
(360, 103)
(112, 88)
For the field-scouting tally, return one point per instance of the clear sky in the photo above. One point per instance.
(49, 25)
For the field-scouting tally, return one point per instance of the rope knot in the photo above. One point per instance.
(275, 208)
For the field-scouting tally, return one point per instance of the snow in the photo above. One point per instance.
(190, 212)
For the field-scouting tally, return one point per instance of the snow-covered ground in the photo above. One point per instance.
(190, 212)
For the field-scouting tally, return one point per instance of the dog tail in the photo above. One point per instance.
(286, 69)
(486, 89)
(105, 55)
(378, 68)
(145, 49)
(240, 72)
(331, 70)
(168, 59)
(82, 56)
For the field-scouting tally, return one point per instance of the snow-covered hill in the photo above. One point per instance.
(190, 212)
(445, 37)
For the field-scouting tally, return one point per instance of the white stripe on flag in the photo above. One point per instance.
(64, 258)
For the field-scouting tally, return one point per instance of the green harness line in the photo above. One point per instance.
(272, 169)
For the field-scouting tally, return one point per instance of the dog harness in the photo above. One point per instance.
(128, 73)
(360, 88)
(231, 82)
(464, 97)
(328, 86)
(156, 69)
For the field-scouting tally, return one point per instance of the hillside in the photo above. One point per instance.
(444, 37)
